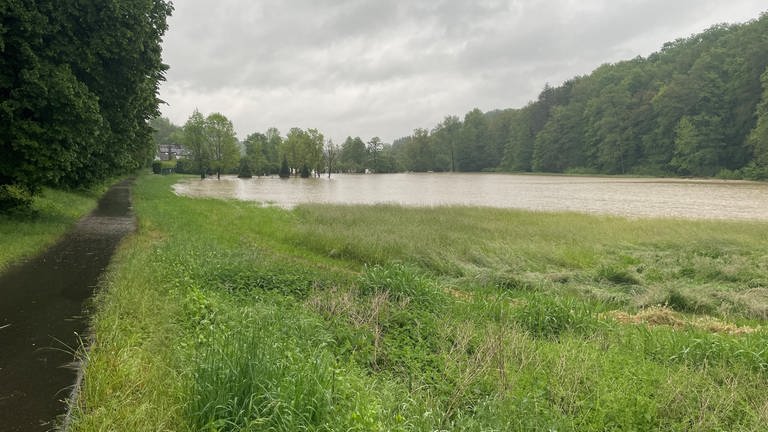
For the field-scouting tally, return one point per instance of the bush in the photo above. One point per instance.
(755, 172)
(186, 166)
(157, 167)
(14, 197)
(726, 174)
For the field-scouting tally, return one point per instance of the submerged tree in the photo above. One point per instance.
(331, 154)
(353, 155)
(222, 142)
(212, 143)
(195, 140)
(285, 171)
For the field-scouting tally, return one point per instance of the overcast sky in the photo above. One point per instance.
(382, 68)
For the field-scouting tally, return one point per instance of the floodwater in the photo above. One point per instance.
(42, 315)
(631, 197)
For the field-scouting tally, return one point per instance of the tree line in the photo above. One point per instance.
(215, 149)
(697, 107)
(78, 84)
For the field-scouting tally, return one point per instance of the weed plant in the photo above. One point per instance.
(223, 316)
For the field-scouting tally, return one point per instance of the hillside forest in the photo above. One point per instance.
(697, 107)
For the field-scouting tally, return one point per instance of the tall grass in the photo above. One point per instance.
(223, 316)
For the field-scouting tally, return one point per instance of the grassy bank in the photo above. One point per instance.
(220, 315)
(52, 213)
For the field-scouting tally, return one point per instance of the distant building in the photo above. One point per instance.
(172, 152)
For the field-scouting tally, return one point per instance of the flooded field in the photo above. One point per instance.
(633, 197)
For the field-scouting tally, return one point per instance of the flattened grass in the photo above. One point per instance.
(220, 315)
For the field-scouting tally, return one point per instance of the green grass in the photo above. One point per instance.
(53, 212)
(224, 316)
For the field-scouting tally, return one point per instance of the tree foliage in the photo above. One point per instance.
(758, 138)
(212, 143)
(696, 108)
(78, 86)
(303, 150)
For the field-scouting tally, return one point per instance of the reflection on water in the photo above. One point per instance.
(621, 196)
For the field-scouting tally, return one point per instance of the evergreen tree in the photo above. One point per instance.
(285, 171)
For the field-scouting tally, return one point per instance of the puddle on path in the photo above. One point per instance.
(43, 317)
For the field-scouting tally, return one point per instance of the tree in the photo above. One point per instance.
(419, 151)
(472, 152)
(196, 141)
(222, 141)
(374, 147)
(255, 152)
(697, 143)
(164, 132)
(558, 146)
(303, 150)
(499, 123)
(314, 150)
(445, 137)
(78, 86)
(758, 138)
(518, 153)
(272, 149)
(285, 171)
(245, 171)
(353, 155)
(331, 153)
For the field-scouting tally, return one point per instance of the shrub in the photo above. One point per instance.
(305, 171)
(185, 166)
(15, 197)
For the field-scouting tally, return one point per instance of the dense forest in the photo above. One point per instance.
(78, 84)
(698, 107)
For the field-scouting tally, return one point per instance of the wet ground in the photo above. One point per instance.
(43, 309)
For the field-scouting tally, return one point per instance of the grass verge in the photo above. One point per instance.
(53, 212)
(223, 316)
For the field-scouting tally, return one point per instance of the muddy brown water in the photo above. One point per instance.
(623, 196)
(43, 310)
